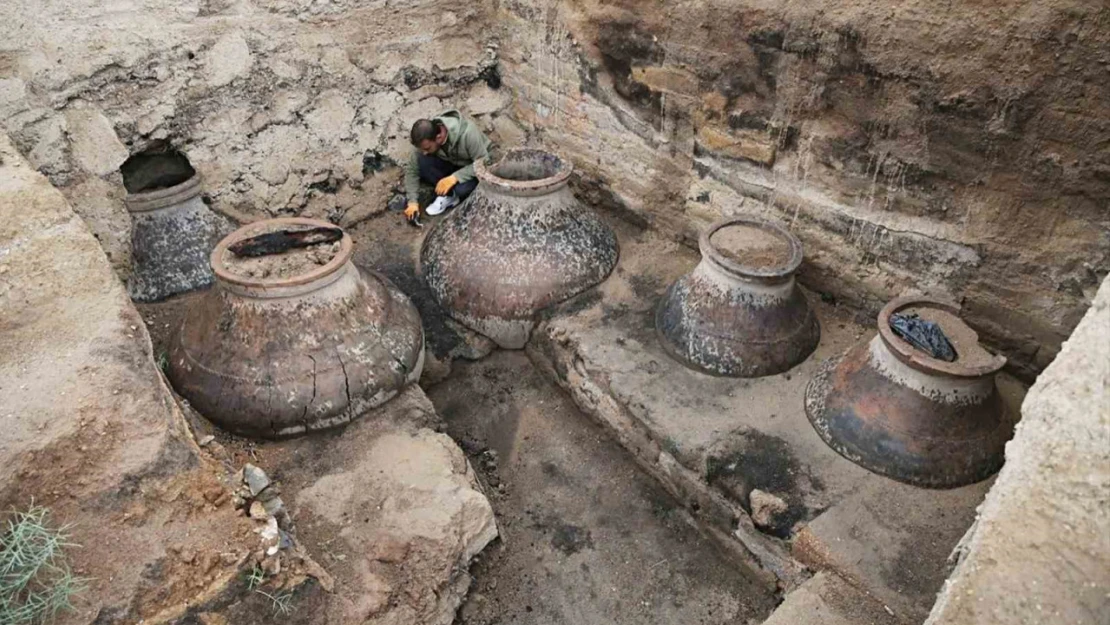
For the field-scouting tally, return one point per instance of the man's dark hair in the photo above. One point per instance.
(425, 130)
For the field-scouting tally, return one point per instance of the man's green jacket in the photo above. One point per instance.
(465, 144)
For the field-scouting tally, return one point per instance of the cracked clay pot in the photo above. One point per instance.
(899, 412)
(274, 351)
(520, 243)
(739, 313)
(172, 234)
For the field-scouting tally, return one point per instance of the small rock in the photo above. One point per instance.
(203, 442)
(271, 533)
(255, 479)
(258, 511)
(285, 541)
(396, 203)
(213, 494)
(273, 506)
(269, 494)
(766, 508)
(218, 450)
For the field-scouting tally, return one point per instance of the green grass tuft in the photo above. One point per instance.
(35, 579)
(282, 602)
(256, 577)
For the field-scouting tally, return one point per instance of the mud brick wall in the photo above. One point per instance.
(960, 150)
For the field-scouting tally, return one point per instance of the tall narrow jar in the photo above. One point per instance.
(172, 234)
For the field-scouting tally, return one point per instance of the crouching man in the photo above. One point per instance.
(446, 148)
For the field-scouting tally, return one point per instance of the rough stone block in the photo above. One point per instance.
(93, 141)
(667, 79)
(758, 147)
(91, 431)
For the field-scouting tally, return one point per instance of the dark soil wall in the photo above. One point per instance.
(962, 150)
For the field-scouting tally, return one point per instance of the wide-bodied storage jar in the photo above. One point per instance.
(295, 342)
(739, 313)
(898, 411)
(519, 244)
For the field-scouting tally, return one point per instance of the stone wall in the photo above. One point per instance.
(961, 151)
(284, 106)
(1039, 551)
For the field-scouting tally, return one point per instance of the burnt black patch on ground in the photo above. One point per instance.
(645, 286)
(387, 248)
(752, 460)
(566, 537)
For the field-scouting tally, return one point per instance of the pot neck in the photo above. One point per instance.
(169, 197)
(336, 283)
(935, 386)
(709, 269)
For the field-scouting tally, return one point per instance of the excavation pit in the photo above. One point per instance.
(718, 466)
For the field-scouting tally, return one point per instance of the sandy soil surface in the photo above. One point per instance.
(288, 264)
(586, 537)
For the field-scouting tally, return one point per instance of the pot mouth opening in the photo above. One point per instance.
(972, 359)
(751, 248)
(296, 266)
(148, 172)
(525, 169)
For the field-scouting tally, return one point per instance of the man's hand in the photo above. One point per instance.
(412, 210)
(444, 186)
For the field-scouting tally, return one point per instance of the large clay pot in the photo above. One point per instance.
(520, 243)
(899, 412)
(739, 313)
(172, 234)
(277, 357)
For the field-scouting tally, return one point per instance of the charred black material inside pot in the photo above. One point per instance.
(896, 410)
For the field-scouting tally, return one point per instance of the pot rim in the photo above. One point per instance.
(709, 251)
(145, 201)
(346, 251)
(486, 175)
(918, 359)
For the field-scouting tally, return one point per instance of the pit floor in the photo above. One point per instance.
(586, 537)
